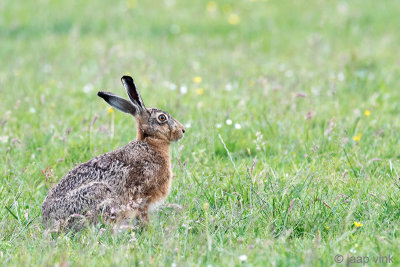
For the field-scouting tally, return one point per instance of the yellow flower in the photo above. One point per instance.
(200, 91)
(356, 245)
(357, 137)
(197, 79)
(110, 110)
(130, 4)
(233, 19)
(227, 9)
(367, 112)
(327, 228)
(206, 206)
(211, 7)
(357, 224)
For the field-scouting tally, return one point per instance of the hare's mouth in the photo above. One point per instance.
(177, 135)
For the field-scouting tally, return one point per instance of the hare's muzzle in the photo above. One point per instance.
(178, 132)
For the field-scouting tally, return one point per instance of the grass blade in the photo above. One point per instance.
(12, 213)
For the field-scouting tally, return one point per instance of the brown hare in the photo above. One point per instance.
(122, 184)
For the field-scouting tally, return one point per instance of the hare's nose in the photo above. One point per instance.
(183, 130)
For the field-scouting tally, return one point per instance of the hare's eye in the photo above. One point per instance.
(162, 118)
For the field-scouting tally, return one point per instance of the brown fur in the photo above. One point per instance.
(121, 184)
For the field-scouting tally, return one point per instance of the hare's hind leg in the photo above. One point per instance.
(107, 211)
(76, 222)
(111, 210)
(76, 205)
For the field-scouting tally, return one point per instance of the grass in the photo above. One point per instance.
(286, 188)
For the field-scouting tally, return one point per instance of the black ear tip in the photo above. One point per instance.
(127, 79)
(101, 94)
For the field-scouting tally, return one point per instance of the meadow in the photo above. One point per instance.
(291, 154)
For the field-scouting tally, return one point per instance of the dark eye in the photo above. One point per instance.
(162, 118)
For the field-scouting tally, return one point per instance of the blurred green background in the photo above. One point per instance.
(304, 94)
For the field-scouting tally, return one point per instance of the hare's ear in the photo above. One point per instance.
(133, 93)
(119, 103)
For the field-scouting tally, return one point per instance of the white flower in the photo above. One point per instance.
(88, 88)
(228, 87)
(238, 126)
(218, 125)
(174, 264)
(8, 113)
(243, 258)
(169, 3)
(32, 110)
(183, 89)
(229, 122)
(47, 68)
(289, 73)
(188, 125)
(340, 76)
(342, 8)
(33, 156)
(4, 139)
(172, 86)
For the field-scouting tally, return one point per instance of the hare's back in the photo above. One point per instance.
(106, 168)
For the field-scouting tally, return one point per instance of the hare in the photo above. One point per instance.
(122, 184)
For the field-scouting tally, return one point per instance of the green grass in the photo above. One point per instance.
(293, 187)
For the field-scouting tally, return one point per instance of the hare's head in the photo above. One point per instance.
(151, 122)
